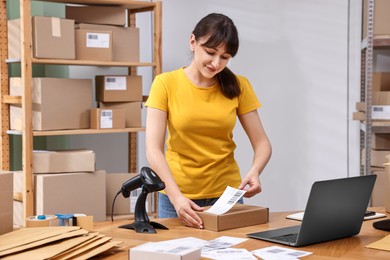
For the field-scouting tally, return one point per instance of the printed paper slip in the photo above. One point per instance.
(229, 197)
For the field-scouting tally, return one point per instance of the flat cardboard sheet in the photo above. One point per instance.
(382, 244)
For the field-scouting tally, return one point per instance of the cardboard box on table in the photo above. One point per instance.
(132, 110)
(80, 160)
(112, 15)
(107, 118)
(378, 193)
(52, 38)
(125, 41)
(149, 251)
(71, 193)
(118, 88)
(239, 216)
(6, 202)
(58, 103)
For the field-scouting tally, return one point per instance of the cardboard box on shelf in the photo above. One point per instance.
(378, 193)
(118, 88)
(70, 193)
(112, 15)
(381, 98)
(124, 206)
(132, 109)
(387, 187)
(107, 118)
(6, 202)
(114, 183)
(93, 45)
(378, 157)
(125, 41)
(380, 81)
(52, 38)
(381, 17)
(58, 103)
(239, 216)
(380, 141)
(61, 161)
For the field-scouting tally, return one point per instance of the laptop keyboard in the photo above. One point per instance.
(292, 238)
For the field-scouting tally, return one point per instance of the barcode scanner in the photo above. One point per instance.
(149, 181)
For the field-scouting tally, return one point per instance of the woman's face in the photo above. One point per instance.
(209, 61)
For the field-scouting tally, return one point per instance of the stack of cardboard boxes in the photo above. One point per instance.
(65, 182)
(89, 33)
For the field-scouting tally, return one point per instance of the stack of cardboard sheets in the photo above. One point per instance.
(54, 243)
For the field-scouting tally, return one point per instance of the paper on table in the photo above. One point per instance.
(382, 244)
(229, 197)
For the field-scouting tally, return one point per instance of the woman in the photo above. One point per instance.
(199, 104)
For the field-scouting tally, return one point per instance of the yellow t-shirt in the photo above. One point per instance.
(199, 145)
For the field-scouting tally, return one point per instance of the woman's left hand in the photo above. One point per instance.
(251, 183)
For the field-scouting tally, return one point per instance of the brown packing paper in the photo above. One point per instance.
(382, 244)
(44, 241)
(26, 236)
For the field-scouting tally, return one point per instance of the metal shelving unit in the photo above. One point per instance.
(25, 101)
(369, 45)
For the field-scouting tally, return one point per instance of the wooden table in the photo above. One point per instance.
(347, 248)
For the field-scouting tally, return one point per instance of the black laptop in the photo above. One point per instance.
(335, 209)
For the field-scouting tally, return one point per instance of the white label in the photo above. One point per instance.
(228, 199)
(115, 83)
(98, 40)
(380, 112)
(106, 119)
(55, 27)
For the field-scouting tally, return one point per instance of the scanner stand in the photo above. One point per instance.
(141, 223)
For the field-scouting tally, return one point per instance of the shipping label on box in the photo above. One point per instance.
(93, 45)
(380, 112)
(125, 41)
(132, 109)
(107, 118)
(118, 88)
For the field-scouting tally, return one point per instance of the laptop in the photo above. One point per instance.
(335, 209)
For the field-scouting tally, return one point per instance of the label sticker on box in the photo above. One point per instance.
(115, 83)
(380, 112)
(228, 199)
(106, 119)
(55, 27)
(98, 40)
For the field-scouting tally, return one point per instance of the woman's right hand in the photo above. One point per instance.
(185, 209)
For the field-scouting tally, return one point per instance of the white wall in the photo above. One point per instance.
(303, 63)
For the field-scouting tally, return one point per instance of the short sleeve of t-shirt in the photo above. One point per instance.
(248, 100)
(158, 95)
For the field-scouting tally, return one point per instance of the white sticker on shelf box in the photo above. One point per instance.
(106, 119)
(55, 27)
(380, 112)
(115, 83)
(98, 40)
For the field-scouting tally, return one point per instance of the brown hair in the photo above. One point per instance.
(220, 29)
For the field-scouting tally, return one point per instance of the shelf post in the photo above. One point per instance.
(4, 115)
(368, 83)
(27, 134)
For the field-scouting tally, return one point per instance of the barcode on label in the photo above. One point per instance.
(234, 198)
(106, 113)
(377, 109)
(92, 36)
(111, 80)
